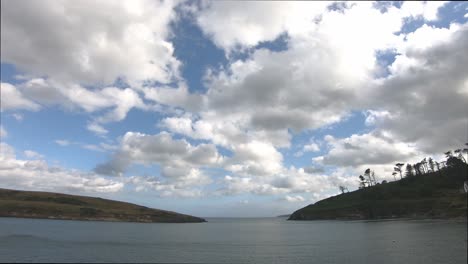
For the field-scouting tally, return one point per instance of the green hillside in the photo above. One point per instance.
(437, 194)
(48, 205)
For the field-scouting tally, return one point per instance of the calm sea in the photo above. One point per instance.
(228, 240)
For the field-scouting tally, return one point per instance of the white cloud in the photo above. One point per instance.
(255, 158)
(177, 158)
(96, 128)
(271, 91)
(246, 24)
(294, 198)
(312, 147)
(96, 42)
(176, 97)
(36, 174)
(427, 9)
(12, 99)
(62, 142)
(367, 149)
(289, 181)
(69, 95)
(427, 92)
(163, 188)
(33, 155)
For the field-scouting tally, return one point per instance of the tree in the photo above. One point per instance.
(398, 168)
(465, 150)
(343, 189)
(394, 173)
(460, 154)
(437, 166)
(431, 164)
(423, 166)
(448, 154)
(409, 170)
(416, 169)
(367, 173)
(454, 162)
(362, 182)
(384, 181)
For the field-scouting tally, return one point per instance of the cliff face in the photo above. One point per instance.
(48, 205)
(432, 195)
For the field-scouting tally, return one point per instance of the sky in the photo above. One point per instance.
(238, 109)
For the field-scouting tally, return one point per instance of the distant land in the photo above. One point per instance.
(48, 205)
(431, 195)
(285, 215)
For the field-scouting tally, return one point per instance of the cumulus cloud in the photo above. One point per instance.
(188, 187)
(176, 157)
(32, 154)
(295, 88)
(36, 174)
(294, 198)
(96, 43)
(311, 147)
(234, 24)
(424, 99)
(11, 98)
(372, 148)
(426, 9)
(255, 158)
(289, 181)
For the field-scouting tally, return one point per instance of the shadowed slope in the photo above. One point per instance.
(431, 195)
(73, 207)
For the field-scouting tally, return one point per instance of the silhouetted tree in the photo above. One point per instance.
(454, 162)
(415, 168)
(448, 154)
(362, 182)
(460, 154)
(409, 170)
(394, 173)
(343, 189)
(384, 181)
(431, 164)
(367, 173)
(465, 150)
(398, 168)
(423, 166)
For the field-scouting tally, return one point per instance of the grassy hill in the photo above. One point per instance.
(72, 207)
(431, 195)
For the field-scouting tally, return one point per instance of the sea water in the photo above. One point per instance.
(234, 240)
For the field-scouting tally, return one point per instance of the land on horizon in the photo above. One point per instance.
(432, 195)
(49, 205)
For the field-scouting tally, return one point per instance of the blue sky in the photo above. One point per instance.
(225, 108)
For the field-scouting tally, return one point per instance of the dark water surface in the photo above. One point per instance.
(228, 240)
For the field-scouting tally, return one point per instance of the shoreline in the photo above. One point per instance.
(99, 220)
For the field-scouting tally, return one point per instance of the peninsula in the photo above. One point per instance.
(47, 205)
(432, 194)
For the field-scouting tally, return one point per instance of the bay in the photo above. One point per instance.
(234, 240)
